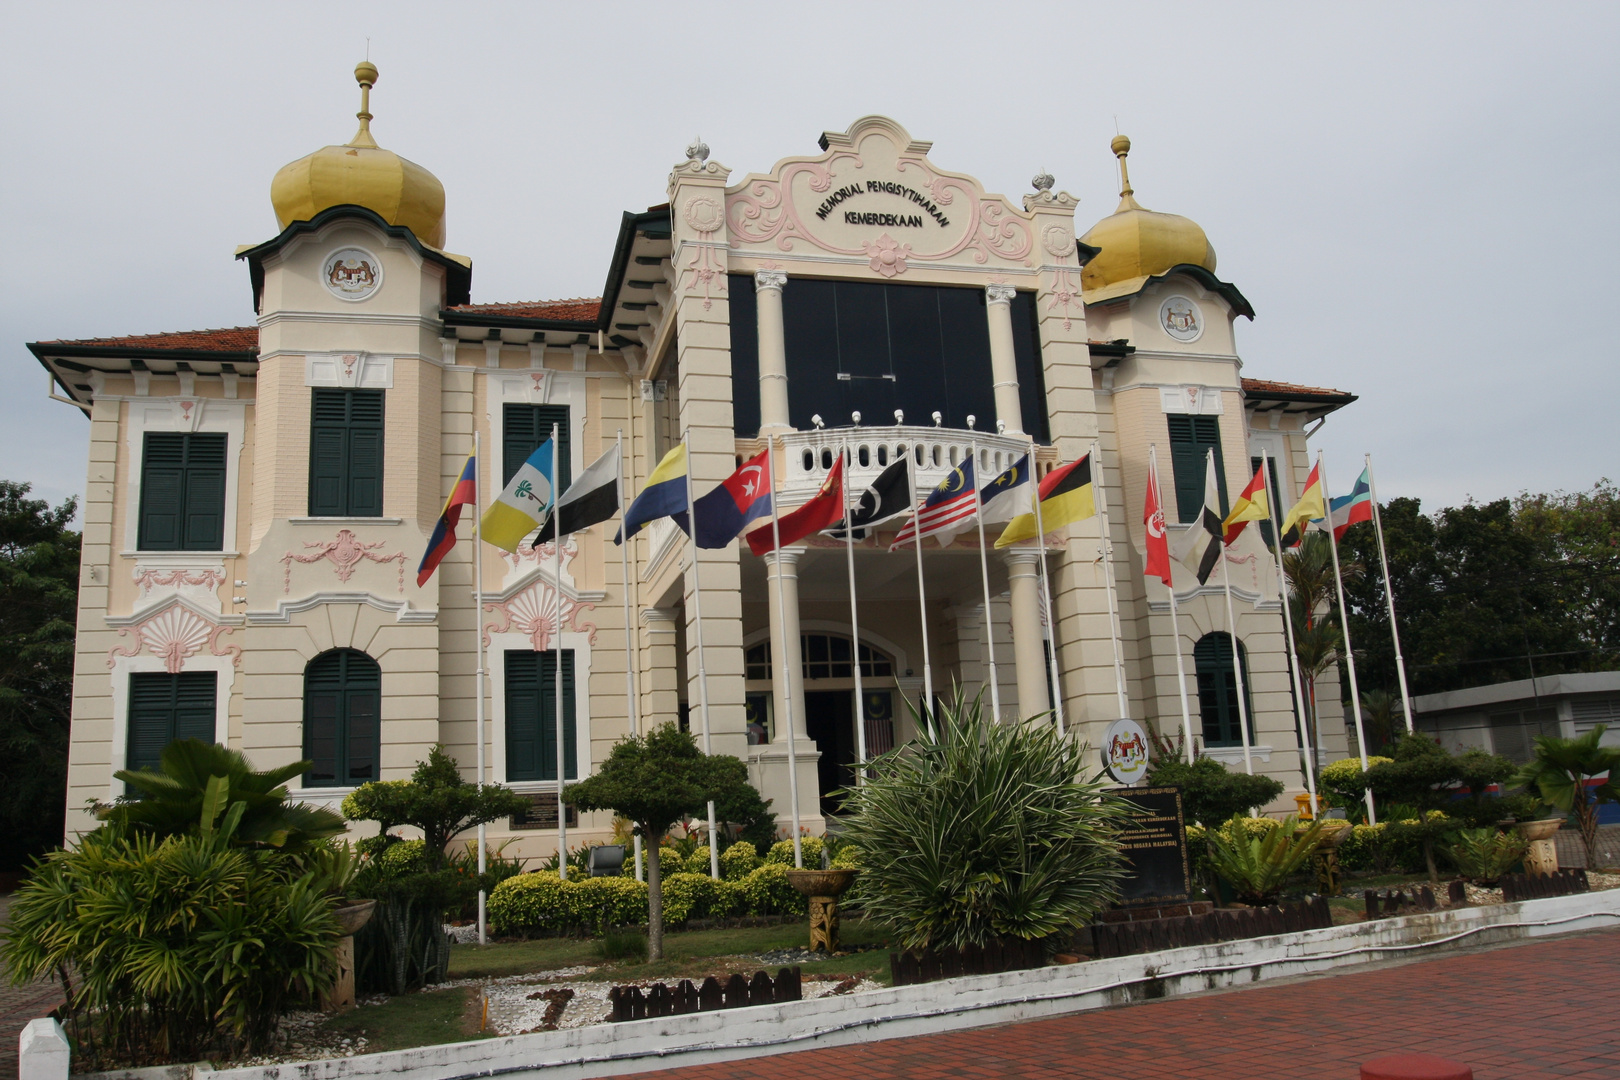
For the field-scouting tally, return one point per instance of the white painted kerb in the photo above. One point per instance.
(952, 1004)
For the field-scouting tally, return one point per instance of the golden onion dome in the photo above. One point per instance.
(1137, 243)
(361, 173)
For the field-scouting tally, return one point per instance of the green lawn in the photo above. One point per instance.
(426, 1019)
(687, 954)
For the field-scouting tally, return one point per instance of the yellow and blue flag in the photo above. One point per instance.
(519, 509)
(664, 495)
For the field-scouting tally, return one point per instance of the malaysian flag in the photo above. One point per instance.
(947, 510)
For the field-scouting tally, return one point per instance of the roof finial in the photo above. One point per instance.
(1121, 147)
(365, 73)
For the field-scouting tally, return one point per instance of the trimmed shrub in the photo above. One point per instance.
(738, 861)
(698, 861)
(848, 858)
(529, 904)
(670, 862)
(782, 852)
(1340, 784)
(766, 891)
(688, 896)
(603, 903)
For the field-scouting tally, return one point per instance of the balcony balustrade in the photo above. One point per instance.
(935, 450)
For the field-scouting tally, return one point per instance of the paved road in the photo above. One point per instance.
(1521, 1012)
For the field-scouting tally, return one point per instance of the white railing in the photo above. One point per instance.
(805, 456)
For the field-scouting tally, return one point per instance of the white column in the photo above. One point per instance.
(1003, 363)
(660, 684)
(773, 380)
(1029, 659)
(787, 670)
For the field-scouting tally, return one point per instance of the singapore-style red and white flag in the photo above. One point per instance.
(1158, 544)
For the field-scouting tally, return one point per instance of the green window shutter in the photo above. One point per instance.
(1191, 439)
(1218, 690)
(165, 707)
(194, 711)
(524, 428)
(531, 711)
(163, 491)
(342, 706)
(346, 453)
(205, 493)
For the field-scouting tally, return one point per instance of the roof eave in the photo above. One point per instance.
(629, 225)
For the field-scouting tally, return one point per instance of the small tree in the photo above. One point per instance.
(436, 800)
(1560, 771)
(1210, 792)
(656, 780)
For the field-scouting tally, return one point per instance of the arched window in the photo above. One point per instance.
(342, 700)
(825, 656)
(1218, 690)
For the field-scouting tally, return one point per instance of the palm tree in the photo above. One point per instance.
(1378, 709)
(1560, 771)
(1317, 641)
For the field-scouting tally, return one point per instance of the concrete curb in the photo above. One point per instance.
(952, 1004)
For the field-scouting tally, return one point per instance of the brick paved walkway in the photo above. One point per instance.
(18, 1005)
(1521, 1012)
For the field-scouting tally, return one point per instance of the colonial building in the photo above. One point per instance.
(258, 498)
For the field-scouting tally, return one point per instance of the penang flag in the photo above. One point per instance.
(464, 493)
(525, 502)
(742, 498)
(664, 495)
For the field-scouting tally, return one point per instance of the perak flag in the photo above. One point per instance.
(1309, 508)
(887, 497)
(1158, 543)
(1253, 504)
(742, 498)
(444, 532)
(814, 516)
(947, 510)
(1353, 508)
(590, 500)
(664, 495)
(1201, 548)
(524, 503)
(1066, 497)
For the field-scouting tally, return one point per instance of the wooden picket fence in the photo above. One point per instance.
(1011, 954)
(634, 1003)
(1222, 924)
(1539, 886)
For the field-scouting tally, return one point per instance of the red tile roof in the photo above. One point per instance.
(1268, 386)
(577, 310)
(229, 339)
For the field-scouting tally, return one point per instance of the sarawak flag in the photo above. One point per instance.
(742, 498)
(1158, 544)
(1066, 497)
(1252, 505)
(464, 493)
(814, 516)
(1310, 507)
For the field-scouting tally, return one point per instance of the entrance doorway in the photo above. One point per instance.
(829, 720)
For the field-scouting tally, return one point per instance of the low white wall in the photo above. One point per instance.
(952, 1004)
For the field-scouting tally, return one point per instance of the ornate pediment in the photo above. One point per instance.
(874, 196)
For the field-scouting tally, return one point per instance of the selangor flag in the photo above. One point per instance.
(1252, 505)
(814, 516)
(1309, 508)
(1066, 497)
(664, 495)
(524, 503)
(1355, 507)
(464, 493)
(741, 498)
(1158, 544)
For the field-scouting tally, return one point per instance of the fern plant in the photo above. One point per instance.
(980, 830)
(1258, 866)
(1484, 855)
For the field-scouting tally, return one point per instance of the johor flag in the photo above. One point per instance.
(1350, 509)
(741, 498)
(464, 493)
(1158, 544)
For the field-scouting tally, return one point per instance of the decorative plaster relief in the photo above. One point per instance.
(173, 635)
(344, 552)
(533, 613)
(349, 370)
(161, 580)
(876, 177)
(1181, 319)
(1198, 400)
(528, 557)
(707, 271)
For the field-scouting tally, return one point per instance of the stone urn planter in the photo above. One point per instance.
(1542, 855)
(823, 887)
(350, 917)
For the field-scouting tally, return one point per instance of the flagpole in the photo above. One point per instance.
(984, 575)
(1237, 656)
(1050, 631)
(784, 664)
(478, 612)
(557, 671)
(854, 621)
(922, 600)
(629, 640)
(1114, 627)
(1288, 629)
(1175, 622)
(1344, 622)
(1389, 595)
(697, 629)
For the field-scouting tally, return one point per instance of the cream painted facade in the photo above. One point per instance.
(652, 361)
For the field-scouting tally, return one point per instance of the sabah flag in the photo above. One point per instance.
(1355, 507)
(742, 498)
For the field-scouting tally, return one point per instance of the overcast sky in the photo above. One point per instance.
(1419, 200)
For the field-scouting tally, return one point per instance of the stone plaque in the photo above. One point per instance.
(1155, 847)
(541, 813)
